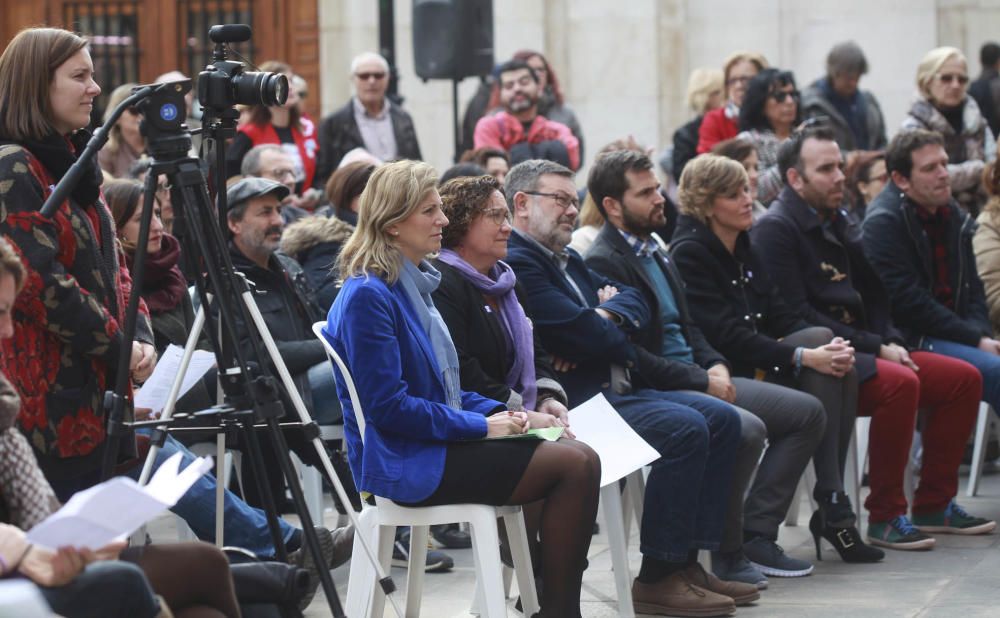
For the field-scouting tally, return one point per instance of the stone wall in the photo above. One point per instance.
(624, 63)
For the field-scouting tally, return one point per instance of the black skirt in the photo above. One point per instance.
(481, 472)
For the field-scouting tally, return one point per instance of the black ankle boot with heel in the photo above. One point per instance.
(834, 521)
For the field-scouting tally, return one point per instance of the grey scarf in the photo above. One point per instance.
(418, 283)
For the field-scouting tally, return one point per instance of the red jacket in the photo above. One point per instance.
(715, 127)
(305, 140)
(501, 130)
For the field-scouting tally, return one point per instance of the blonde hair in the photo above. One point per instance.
(392, 194)
(117, 95)
(736, 57)
(701, 84)
(705, 178)
(931, 65)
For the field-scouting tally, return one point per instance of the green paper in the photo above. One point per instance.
(543, 433)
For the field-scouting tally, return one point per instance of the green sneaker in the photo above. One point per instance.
(953, 520)
(898, 533)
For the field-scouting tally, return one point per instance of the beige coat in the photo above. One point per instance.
(986, 245)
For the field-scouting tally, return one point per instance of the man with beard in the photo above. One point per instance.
(626, 192)
(519, 129)
(920, 243)
(813, 251)
(585, 321)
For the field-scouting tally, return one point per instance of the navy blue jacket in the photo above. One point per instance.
(822, 272)
(612, 256)
(373, 327)
(570, 329)
(898, 249)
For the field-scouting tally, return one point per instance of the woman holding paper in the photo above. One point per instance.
(422, 435)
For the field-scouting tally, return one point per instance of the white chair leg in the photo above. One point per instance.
(312, 490)
(486, 549)
(517, 537)
(386, 539)
(618, 544)
(361, 580)
(415, 577)
(979, 449)
(852, 474)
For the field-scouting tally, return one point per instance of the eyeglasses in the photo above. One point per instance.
(781, 95)
(950, 77)
(278, 174)
(561, 199)
(376, 75)
(498, 216)
(742, 79)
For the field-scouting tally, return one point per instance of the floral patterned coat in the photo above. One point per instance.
(67, 319)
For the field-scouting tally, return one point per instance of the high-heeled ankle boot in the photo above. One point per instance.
(846, 540)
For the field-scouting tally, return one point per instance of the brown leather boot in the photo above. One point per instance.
(741, 593)
(675, 595)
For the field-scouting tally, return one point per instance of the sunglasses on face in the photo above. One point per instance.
(376, 75)
(948, 78)
(781, 95)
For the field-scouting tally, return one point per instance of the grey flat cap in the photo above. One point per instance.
(253, 186)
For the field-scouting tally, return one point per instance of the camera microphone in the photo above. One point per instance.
(230, 33)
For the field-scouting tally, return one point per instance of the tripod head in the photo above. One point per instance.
(163, 120)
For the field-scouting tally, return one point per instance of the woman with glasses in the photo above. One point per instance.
(722, 123)
(125, 143)
(769, 114)
(942, 105)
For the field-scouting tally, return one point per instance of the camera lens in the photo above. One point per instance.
(255, 88)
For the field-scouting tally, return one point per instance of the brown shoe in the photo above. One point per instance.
(741, 593)
(675, 595)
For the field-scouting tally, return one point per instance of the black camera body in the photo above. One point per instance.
(163, 114)
(225, 84)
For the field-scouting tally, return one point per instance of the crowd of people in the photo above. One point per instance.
(794, 265)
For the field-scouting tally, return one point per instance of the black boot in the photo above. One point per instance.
(834, 521)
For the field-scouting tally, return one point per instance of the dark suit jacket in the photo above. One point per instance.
(339, 134)
(479, 339)
(569, 327)
(897, 248)
(822, 272)
(611, 256)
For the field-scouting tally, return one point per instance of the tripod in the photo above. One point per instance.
(249, 395)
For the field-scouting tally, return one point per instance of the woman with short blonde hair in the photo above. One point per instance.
(706, 178)
(944, 106)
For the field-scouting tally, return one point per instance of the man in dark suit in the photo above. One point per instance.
(585, 320)
(369, 121)
(626, 192)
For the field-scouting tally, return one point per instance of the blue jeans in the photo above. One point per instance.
(245, 526)
(109, 589)
(325, 403)
(987, 364)
(697, 437)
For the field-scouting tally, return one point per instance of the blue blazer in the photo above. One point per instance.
(377, 333)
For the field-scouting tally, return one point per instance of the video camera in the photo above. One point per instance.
(224, 83)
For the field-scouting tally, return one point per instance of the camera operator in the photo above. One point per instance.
(68, 322)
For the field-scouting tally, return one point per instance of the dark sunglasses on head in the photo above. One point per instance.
(781, 95)
(373, 75)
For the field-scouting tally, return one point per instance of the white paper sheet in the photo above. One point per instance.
(154, 392)
(114, 509)
(596, 423)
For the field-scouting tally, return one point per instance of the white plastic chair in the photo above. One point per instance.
(617, 521)
(985, 425)
(378, 523)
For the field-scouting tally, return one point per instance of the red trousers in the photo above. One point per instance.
(947, 392)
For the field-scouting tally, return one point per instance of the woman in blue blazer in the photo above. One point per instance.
(423, 442)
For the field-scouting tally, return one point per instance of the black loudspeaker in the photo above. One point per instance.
(452, 39)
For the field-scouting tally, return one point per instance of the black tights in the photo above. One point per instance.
(193, 578)
(566, 476)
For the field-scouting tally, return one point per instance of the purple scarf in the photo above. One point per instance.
(516, 328)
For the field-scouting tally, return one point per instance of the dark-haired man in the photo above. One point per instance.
(814, 252)
(519, 129)
(986, 89)
(626, 192)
